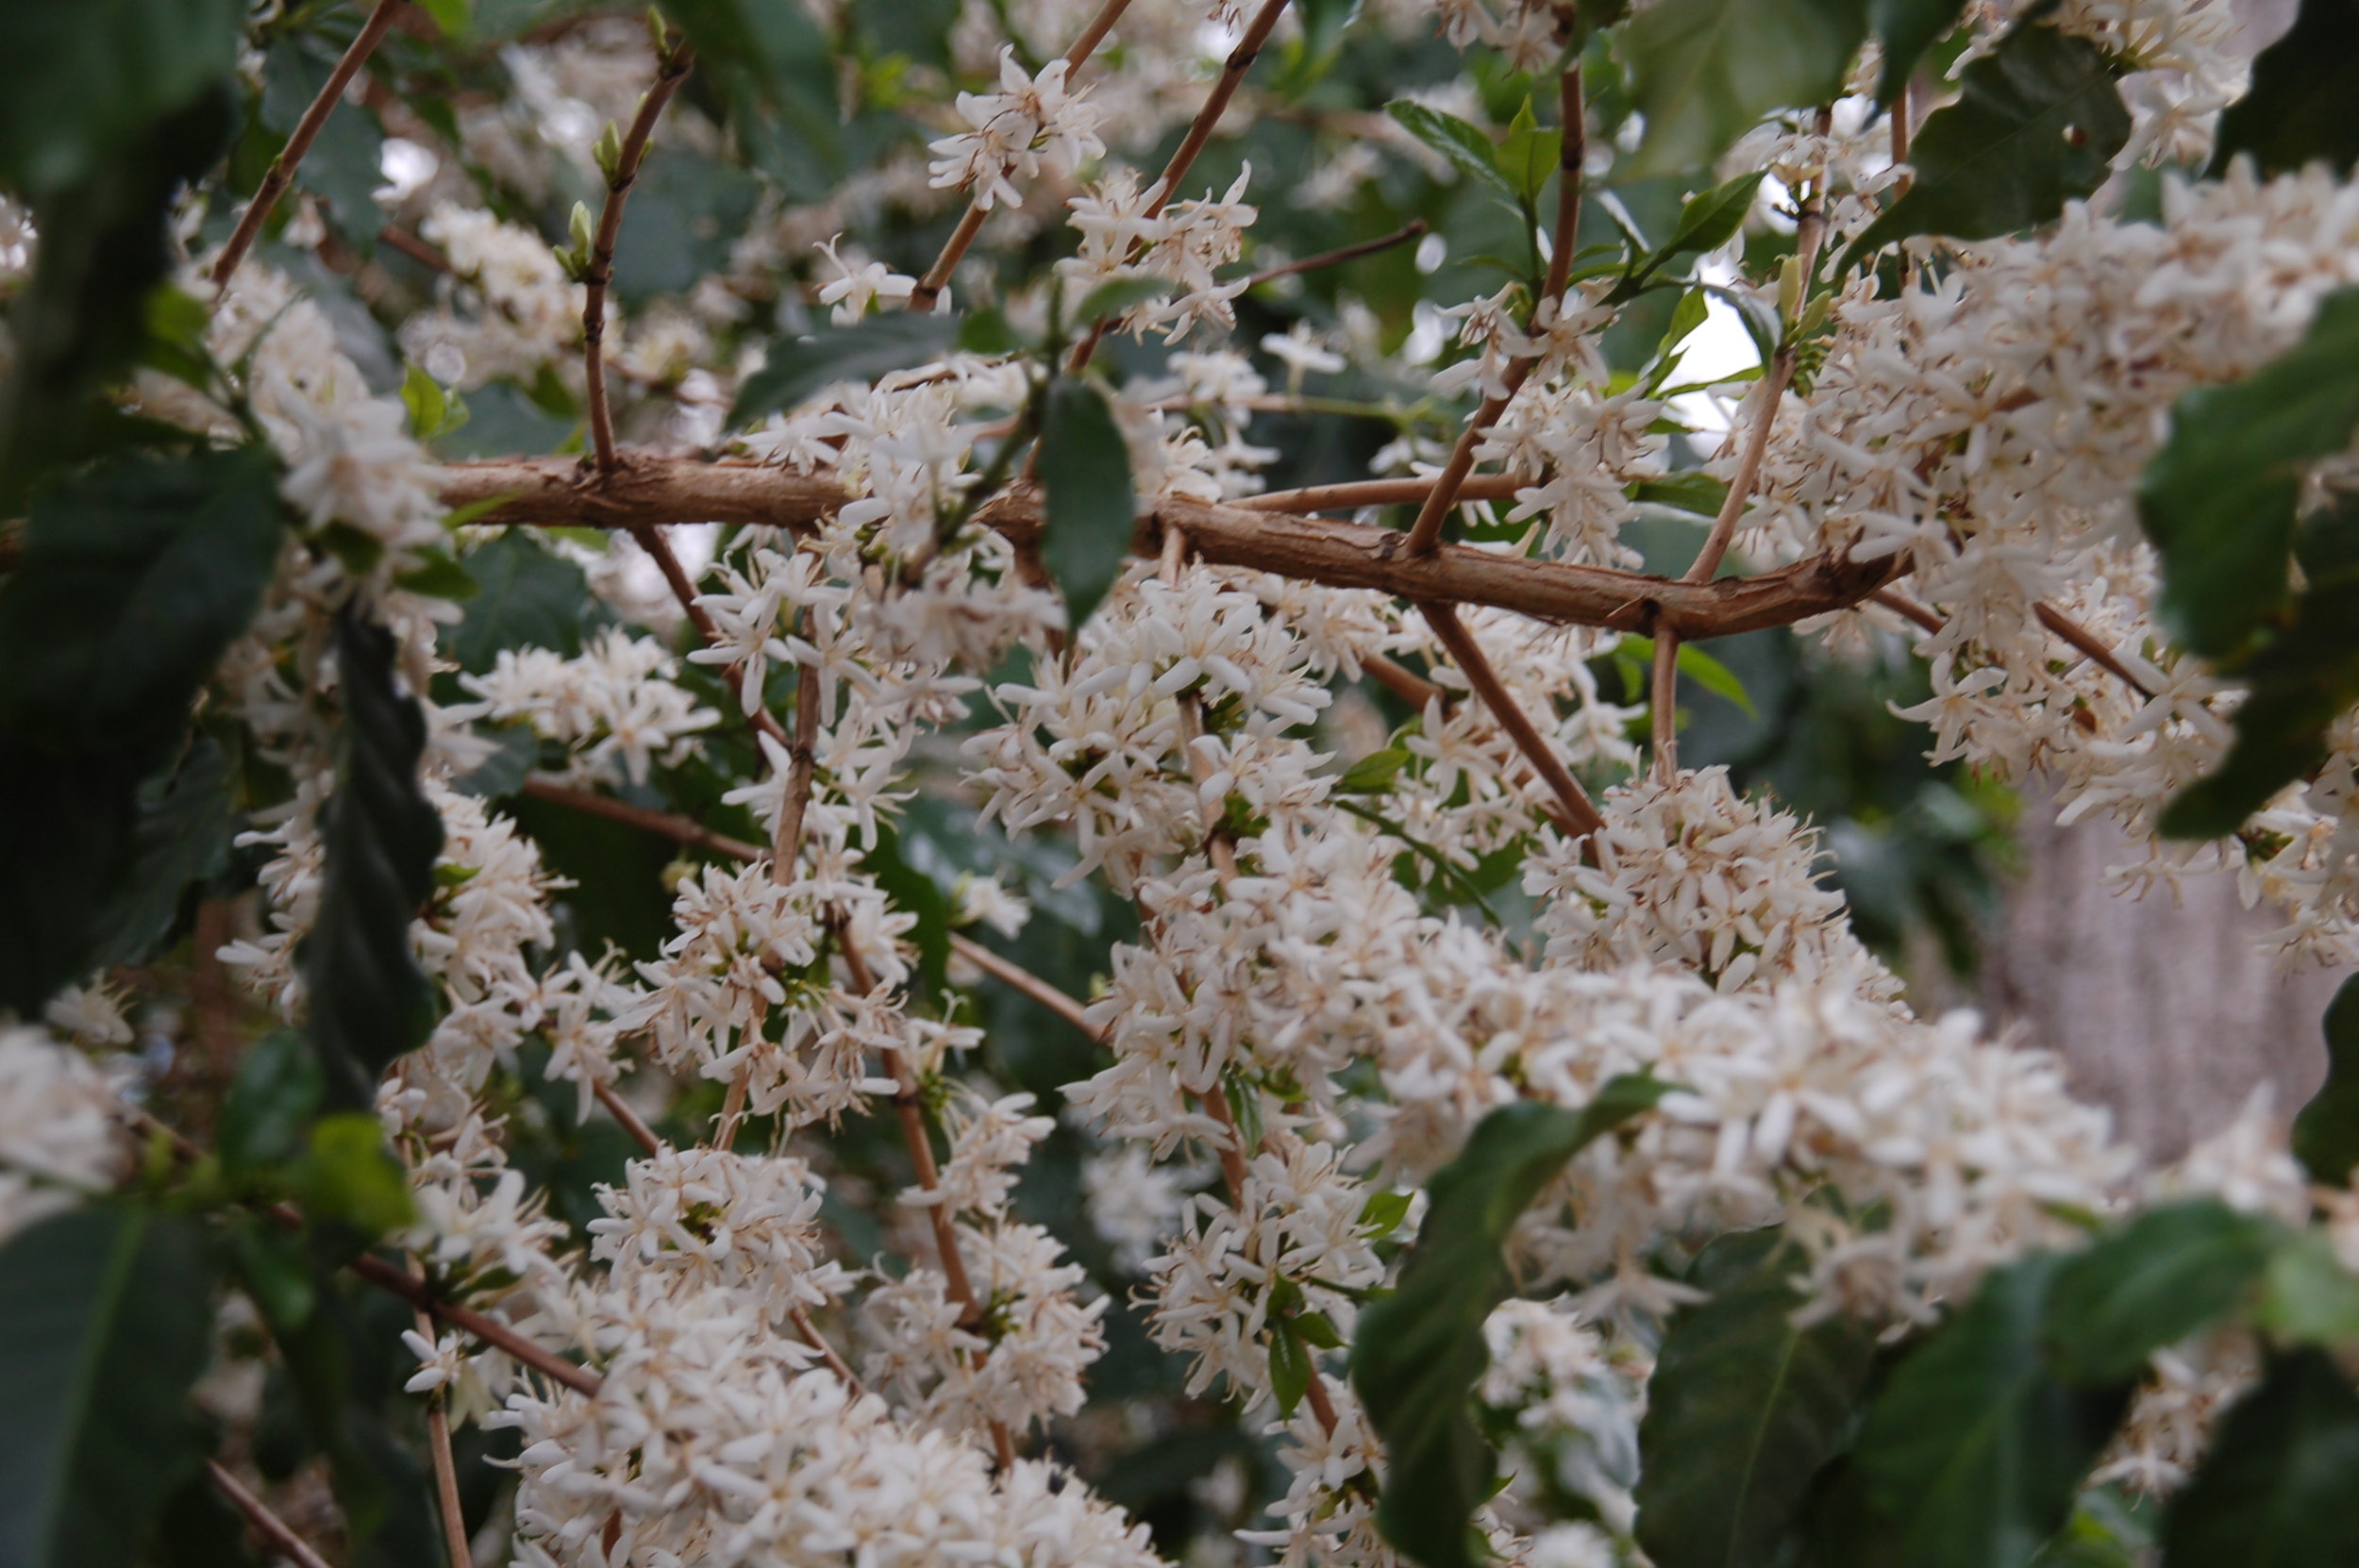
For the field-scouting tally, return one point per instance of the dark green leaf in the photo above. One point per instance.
(525, 597)
(369, 1000)
(516, 750)
(1468, 150)
(1420, 1351)
(2277, 1488)
(1704, 72)
(1085, 472)
(344, 165)
(1743, 1409)
(773, 73)
(2165, 1274)
(79, 83)
(1695, 664)
(1971, 1455)
(798, 369)
(914, 893)
(1117, 295)
(1373, 775)
(2307, 1294)
(135, 577)
(1707, 221)
(1383, 1212)
(2038, 122)
(2326, 1130)
(1907, 29)
(2298, 109)
(1693, 490)
(269, 1102)
(106, 1318)
(186, 821)
(1289, 1369)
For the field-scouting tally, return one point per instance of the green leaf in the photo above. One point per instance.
(914, 893)
(439, 576)
(1743, 1409)
(451, 16)
(1085, 472)
(2298, 109)
(1704, 72)
(269, 1102)
(2162, 1277)
(106, 1319)
(1289, 1369)
(1707, 221)
(80, 83)
(1971, 1455)
(772, 69)
(1907, 29)
(1529, 154)
(1117, 295)
(344, 164)
(186, 820)
(2326, 1130)
(2276, 1488)
(347, 1177)
(525, 597)
(1693, 490)
(1373, 775)
(1383, 1212)
(434, 412)
(2218, 499)
(135, 577)
(1468, 150)
(798, 369)
(1693, 662)
(2307, 1294)
(1420, 1351)
(369, 1000)
(2037, 122)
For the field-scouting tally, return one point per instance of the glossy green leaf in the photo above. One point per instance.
(525, 597)
(2218, 499)
(1707, 220)
(1971, 1455)
(1529, 154)
(369, 1000)
(1420, 1351)
(1289, 1369)
(1085, 475)
(1907, 28)
(2277, 1487)
(2326, 1130)
(2037, 122)
(2167, 1274)
(2298, 109)
(1704, 72)
(1373, 775)
(1743, 1409)
(798, 369)
(106, 1319)
(1468, 150)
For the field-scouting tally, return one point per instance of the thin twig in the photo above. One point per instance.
(467, 1319)
(1403, 682)
(307, 130)
(800, 1316)
(1356, 494)
(670, 69)
(971, 223)
(1016, 977)
(438, 1449)
(1572, 145)
(2083, 640)
(682, 829)
(1577, 815)
(628, 1119)
(267, 1524)
(650, 538)
(1233, 71)
(802, 762)
(1413, 229)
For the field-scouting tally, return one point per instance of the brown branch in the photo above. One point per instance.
(467, 1320)
(649, 536)
(1017, 977)
(1572, 151)
(281, 1535)
(438, 1450)
(649, 490)
(1356, 494)
(413, 247)
(662, 822)
(2083, 640)
(1402, 235)
(1577, 814)
(307, 130)
(628, 1119)
(971, 224)
(670, 69)
(800, 1317)
(1233, 71)
(802, 763)
(1403, 682)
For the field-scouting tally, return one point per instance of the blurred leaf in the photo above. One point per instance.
(2169, 1273)
(1085, 475)
(1704, 72)
(2326, 1130)
(1907, 29)
(1468, 150)
(344, 164)
(1117, 295)
(1971, 1455)
(1693, 490)
(451, 16)
(2037, 122)
(516, 750)
(1420, 1351)
(774, 73)
(798, 369)
(434, 412)
(186, 821)
(686, 211)
(106, 1319)
(1529, 154)
(525, 597)
(80, 83)
(1289, 1369)
(347, 1177)
(2296, 110)
(2307, 1294)
(1693, 662)
(369, 1000)
(2276, 1488)
(273, 1098)
(913, 893)
(1707, 221)
(1743, 1409)
(1383, 1212)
